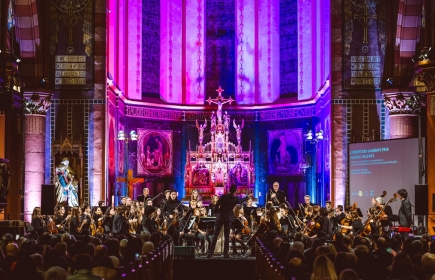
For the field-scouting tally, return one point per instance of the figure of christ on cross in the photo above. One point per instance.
(219, 101)
(130, 182)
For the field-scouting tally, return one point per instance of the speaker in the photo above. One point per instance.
(187, 252)
(421, 200)
(47, 200)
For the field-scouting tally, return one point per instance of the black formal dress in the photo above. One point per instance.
(38, 225)
(148, 224)
(224, 217)
(108, 224)
(119, 225)
(324, 232)
(280, 197)
(74, 225)
(168, 209)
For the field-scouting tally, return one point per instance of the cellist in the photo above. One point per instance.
(356, 225)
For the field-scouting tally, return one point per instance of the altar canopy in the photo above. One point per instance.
(214, 166)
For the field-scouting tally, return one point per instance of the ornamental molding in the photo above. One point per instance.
(404, 103)
(251, 115)
(36, 104)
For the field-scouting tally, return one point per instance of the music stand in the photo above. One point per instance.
(209, 223)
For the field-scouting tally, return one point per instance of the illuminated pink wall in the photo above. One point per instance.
(34, 150)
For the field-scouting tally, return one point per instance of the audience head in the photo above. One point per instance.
(147, 247)
(348, 274)
(323, 269)
(402, 266)
(56, 273)
(83, 261)
(297, 245)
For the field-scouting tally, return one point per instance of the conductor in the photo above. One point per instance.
(224, 217)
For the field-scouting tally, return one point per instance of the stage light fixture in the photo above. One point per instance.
(133, 136)
(425, 54)
(390, 81)
(309, 135)
(121, 135)
(319, 135)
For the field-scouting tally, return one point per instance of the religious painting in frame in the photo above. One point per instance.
(285, 151)
(154, 149)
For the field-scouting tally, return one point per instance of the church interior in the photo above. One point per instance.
(100, 99)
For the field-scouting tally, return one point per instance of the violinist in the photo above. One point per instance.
(238, 227)
(163, 201)
(148, 222)
(107, 221)
(142, 199)
(149, 202)
(211, 206)
(132, 220)
(272, 220)
(98, 215)
(75, 220)
(195, 196)
(59, 215)
(338, 216)
(275, 195)
(85, 220)
(38, 222)
(287, 221)
(188, 231)
(328, 206)
(324, 232)
(123, 200)
(307, 202)
(171, 210)
(309, 214)
(128, 202)
(120, 222)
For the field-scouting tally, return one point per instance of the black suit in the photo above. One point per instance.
(405, 214)
(119, 225)
(224, 217)
(280, 197)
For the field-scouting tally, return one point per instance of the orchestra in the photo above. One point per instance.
(183, 224)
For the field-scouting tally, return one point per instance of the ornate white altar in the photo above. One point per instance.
(214, 166)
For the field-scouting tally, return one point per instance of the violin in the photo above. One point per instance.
(51, 227)
(244, 222)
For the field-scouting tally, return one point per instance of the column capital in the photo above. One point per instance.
(36, 103)
(403, 102)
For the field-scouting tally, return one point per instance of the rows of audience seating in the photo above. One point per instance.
(101, 257)
(345, 258)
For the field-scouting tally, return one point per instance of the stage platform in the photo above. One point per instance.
(216, 268)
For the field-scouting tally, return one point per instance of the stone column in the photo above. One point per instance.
(35, 109)
(425, 73)
(403, 113)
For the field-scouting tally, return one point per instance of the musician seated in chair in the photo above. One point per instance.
(173, 209)
(324, 233)
(188, 231)
(355, 222)
(148, 223)
(202, 234)
(239, 228)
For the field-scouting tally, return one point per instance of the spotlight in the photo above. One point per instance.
(44, 80)
(390, 81)
(121, 135)
(133, 136)
(18, 60)
(309, 135)
(319, 135)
